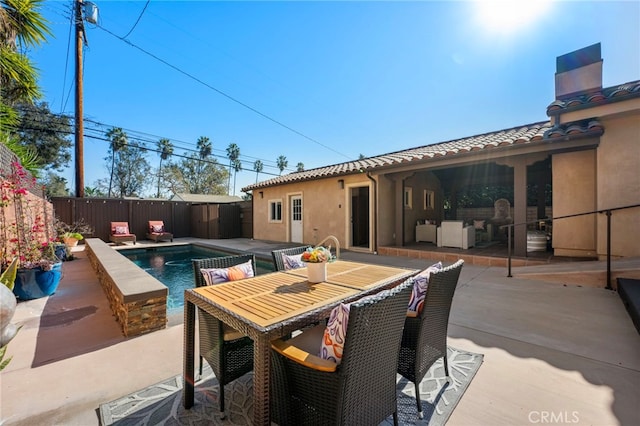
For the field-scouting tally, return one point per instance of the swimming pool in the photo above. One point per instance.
(172, 267)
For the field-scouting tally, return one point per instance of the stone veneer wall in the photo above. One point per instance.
(138, 300)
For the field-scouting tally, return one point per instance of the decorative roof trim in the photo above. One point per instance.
(588, 100)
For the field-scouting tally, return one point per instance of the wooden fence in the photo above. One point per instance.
(182, 219)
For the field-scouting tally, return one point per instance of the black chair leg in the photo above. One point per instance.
(200, 368)
(395, 418)
(446, 365)
(420, 414)
(221, 393)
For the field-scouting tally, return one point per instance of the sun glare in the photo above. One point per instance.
(509, 16)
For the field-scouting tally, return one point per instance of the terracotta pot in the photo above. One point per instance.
(70, 241)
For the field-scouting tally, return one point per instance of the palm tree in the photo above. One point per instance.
(21, 26)
(233, 152)
(166, 150)
(119, 141)
(282, 163)
(205, 148)
(300, 167)
(258, 167)
(237, 166)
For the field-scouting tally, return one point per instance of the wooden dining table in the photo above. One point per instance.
(270, 306)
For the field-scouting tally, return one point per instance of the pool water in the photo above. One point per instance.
(172, 267)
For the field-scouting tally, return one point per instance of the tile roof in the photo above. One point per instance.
(529, 133)
(604, 96)
(205, 198)
(518, 135)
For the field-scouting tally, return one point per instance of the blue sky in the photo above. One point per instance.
(334, 79)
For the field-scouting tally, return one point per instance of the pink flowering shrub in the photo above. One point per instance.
(26, 221)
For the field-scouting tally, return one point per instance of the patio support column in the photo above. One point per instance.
(520, 207)
(399, 222)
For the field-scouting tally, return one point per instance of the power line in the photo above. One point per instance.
(273, 120)
(138, 20)
(151, 138)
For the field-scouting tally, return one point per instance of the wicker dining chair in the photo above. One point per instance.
(227, 351)
(424, 339)
(277, 255)
(361, 390)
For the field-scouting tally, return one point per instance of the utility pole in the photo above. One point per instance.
(79, 146)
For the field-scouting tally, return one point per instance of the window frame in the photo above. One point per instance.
(274, 211)
(429, 199)
(407, 200)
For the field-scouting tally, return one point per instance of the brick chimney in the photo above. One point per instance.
(579, 72)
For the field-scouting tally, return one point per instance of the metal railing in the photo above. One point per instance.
(607, 212)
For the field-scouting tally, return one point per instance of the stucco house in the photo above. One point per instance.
(588, 153)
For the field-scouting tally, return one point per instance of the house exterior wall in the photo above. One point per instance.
(325, 209)
(386, 211)
(617, 160)
(618, 165)
(574, 191)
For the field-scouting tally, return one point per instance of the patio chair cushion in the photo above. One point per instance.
(335, 334)
(233, 273)
(479, 224)
(157, 228)
(303, 349)
(292, 262)
(121, 230)
(420, 283)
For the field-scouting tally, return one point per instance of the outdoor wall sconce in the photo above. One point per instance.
(261, 194)
(341, 183)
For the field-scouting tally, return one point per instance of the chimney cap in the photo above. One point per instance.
(579, 58)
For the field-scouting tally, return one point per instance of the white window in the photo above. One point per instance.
(275, 210)
(429, 199)
(408, 196)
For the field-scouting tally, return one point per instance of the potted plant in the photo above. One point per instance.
(71, 239)
(26, 233)
(71, 234)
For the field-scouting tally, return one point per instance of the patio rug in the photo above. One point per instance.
(161, 404)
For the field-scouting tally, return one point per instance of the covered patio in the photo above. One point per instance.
(550, 351)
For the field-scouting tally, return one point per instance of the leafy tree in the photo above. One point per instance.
(46, 133)
(233, 153)
(166, 150)
(119, 141)
(55, 185)
(94, 191)
(131, 172)
(282, 163)
(193, 175)
(258, 167)
(300, 167)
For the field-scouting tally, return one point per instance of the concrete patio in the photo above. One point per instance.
(554, 353)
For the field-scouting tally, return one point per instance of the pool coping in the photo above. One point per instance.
(137, 299)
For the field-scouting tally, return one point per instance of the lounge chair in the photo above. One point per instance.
(120, 233)
(157, 233)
